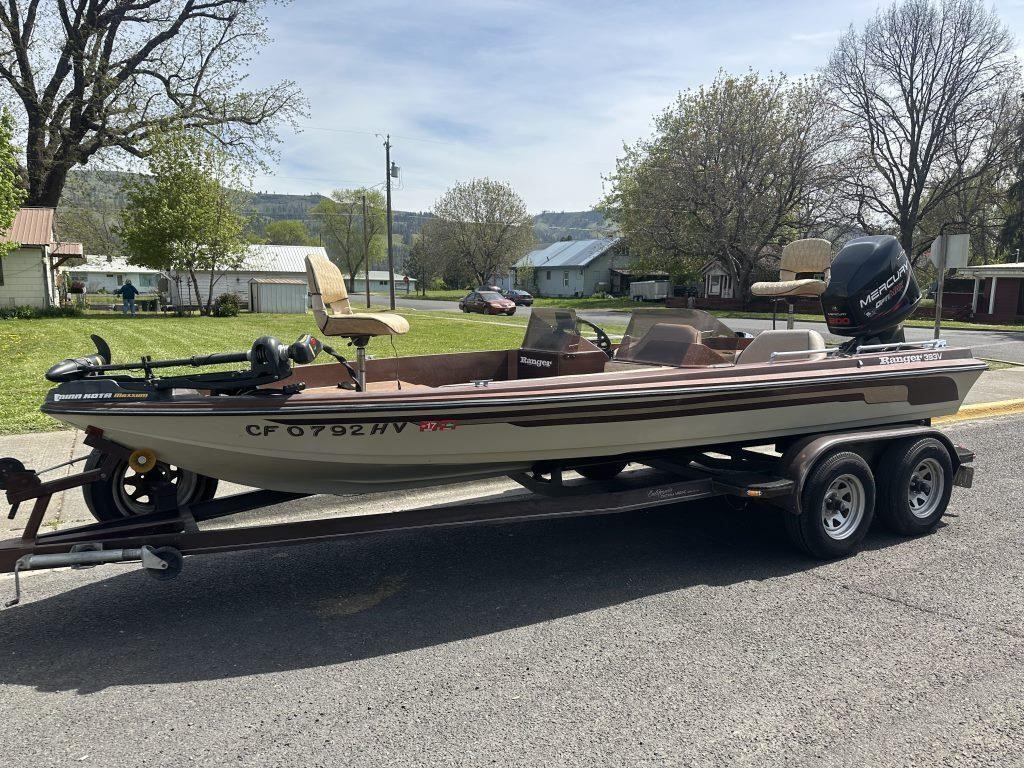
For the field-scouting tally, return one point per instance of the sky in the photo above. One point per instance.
(540, 95)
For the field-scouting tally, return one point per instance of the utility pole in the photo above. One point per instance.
(366, 251)
(389, 172)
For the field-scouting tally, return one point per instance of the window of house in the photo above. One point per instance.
(548, 275)
(382, 283)
(565, 279)
(120, 280)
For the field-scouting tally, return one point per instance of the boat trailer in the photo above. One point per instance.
(160, 540)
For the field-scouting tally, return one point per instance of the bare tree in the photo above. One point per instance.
(733, 170)
(926, 90)
(93, 75)
(482, 226)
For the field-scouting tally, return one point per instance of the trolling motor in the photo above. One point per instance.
(269, 361)
(872, 290)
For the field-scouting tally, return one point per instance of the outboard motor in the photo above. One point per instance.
(871, 291)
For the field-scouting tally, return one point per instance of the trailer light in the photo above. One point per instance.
(754, 492)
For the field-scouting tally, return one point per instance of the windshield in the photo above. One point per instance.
(665, 337)
(552, 329)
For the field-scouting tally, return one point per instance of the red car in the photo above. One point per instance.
(487, 303)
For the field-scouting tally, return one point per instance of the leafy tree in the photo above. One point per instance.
(1011, 236)
(95, 75)
(348, 239)
(732, 171)
(187, 216)
(927, 91)
(287, 232)
(483, 227)
(11, 192)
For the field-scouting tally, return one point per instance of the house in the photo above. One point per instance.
(261, 262)
(28, 274)
(998, 292)
(379, 282)
(568, 268)
(105, 274)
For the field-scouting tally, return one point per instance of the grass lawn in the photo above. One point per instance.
(30, 347)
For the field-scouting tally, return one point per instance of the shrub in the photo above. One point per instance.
(226, 305)
(35, 313)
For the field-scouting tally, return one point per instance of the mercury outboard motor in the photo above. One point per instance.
(871, 291)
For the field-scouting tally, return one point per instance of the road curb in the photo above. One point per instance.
(983, 411)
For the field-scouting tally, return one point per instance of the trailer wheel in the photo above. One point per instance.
(127, 493)
(915, 481)
(604, 471)
(837, 506)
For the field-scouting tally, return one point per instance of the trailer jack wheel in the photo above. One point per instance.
(162, 563)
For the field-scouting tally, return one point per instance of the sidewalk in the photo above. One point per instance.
(40, 450)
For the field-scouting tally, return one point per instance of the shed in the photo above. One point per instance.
(28, 272)
(278, 295)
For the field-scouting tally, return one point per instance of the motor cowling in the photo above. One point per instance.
(871, 290)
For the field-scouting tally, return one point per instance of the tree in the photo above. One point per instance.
(927, 92)
(11, 192)
(483, 227)
(90, 211)
(95, 75)
(732, 171)
(1011, 236)
(287, 232)
(426, 260)
(348, 239)
(187, 216)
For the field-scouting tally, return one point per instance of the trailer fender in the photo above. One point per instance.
(801, 457)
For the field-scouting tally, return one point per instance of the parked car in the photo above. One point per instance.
(487, 303)
(520, 298)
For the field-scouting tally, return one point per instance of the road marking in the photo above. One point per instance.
(983, 411)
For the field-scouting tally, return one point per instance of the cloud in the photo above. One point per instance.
(539, 94)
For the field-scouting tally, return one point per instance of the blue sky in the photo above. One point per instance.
(541, 95)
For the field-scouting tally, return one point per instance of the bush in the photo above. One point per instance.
(35, 313)
(226, 305)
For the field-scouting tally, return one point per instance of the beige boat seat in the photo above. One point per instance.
(801, 264)
(333, 311)
(760, 349)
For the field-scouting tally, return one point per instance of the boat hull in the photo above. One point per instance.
(355, 446)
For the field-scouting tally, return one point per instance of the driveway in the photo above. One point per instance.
(682, 636)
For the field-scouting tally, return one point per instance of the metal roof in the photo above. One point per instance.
(67, 249)
(568, 253)
(277, 281)
(32, 226)
(1012, 269)
(278, 258)
(110, 265)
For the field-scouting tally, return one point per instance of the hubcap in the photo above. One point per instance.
(927, 484)
(134, 493)
(843, 507)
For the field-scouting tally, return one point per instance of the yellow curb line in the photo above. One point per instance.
(983, 411)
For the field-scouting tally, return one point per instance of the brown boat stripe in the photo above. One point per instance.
(920, 392)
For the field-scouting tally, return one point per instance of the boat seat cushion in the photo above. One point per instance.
(760, 349)
(362, 324)
(807, 287)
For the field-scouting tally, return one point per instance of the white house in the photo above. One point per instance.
(28, 274)
(261, 262)
(105, 274)
(379, 282)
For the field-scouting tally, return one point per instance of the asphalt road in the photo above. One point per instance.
(997, 345)
(682, 636)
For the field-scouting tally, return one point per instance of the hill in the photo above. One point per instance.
(92, 201)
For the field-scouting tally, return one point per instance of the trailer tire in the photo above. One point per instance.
(107, 499)
(915, 481)
(837, 506)
(604, 471)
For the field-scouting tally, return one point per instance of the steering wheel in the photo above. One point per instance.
(601, 341)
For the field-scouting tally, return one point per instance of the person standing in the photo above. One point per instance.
(128, 293)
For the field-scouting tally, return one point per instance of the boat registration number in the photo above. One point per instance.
(325, 430)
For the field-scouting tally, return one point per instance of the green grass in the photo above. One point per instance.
(29, 347)
(999, 365)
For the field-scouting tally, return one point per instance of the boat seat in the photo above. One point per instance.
(760, 349)
(333, 311)
(802, 261)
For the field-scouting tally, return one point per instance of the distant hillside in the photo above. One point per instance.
(93, 199)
